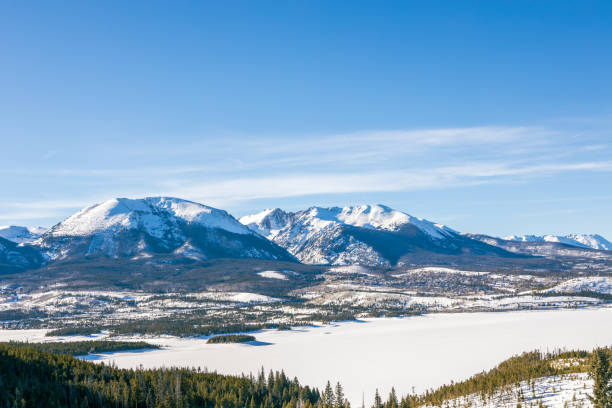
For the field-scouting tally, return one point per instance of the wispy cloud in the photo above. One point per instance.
(222, 173)
(292, 185)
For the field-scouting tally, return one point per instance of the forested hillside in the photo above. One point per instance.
(30, 377)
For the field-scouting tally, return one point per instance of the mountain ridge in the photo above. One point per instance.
(143, 228)
(372, 235)
(593, 241)
(169, 230)
(21, 234)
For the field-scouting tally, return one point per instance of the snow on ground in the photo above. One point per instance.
(95, 305)
(152, 213)
(566, 391)
(381, 353)
(272, 275)
(38, 336)
(351, 269)
(436, 269)
(375, 298)
(239, 297)
(598, 284)
(355, 295)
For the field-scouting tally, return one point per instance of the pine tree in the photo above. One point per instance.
(377, 400)
(392, 399)
(339, 396)
(601, 373)
(328, 396)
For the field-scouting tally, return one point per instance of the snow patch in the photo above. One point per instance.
(272, 275)
(587, 284)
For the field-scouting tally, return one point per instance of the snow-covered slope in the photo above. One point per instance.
(270, 222)
(599, 284)
(155, 215)
(156, 225)
(20, 234)
(267, 223)
(549, 249)
(373, 235)
(593, 241)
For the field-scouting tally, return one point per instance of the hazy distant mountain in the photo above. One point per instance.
(155, 226)
(593, 241)
(551, 249)
(373, 235)
(20, 234)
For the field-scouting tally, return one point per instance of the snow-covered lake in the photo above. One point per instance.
(420, 352)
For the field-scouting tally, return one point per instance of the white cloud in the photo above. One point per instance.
(292, 185)
(225, 172)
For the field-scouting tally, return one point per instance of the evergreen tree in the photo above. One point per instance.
(601, 373)
(377, 400)
(392, 403)
(328, 396)
(340, 400)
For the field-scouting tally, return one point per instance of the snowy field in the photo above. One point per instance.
(565, 391)
(420, 352)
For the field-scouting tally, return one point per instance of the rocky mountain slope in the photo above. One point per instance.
(172, 231)
(154, 227)
(373, 235)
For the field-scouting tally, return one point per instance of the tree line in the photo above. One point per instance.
(33, 377)
(30, 377)
(80, 348)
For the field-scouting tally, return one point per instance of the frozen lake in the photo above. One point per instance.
(420, 352)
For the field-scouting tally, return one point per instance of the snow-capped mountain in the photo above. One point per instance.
(549, 248)
(593, 241)
(373, 235)
(14, 257)
(143, 228)
(20, 234)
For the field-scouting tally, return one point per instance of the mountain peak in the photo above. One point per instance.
(167, 226)
(378, 216)
(150, 213)
(338, 235)
(21, 234)
(593, 241)
(267, 222)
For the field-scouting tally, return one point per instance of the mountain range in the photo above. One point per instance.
(20, 234)
(373, 235)
(164, 230)
(578, 240)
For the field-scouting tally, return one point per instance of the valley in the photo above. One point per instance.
(411, 354)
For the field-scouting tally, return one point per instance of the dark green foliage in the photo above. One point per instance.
(189, 326)
(16, 314)
(79, 348)
(601, 373)
(231, 338)
(74, 331)
(583, 293)
(164, 276)
(34, 378)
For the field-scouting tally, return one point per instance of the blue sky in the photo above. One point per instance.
(491, 117)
